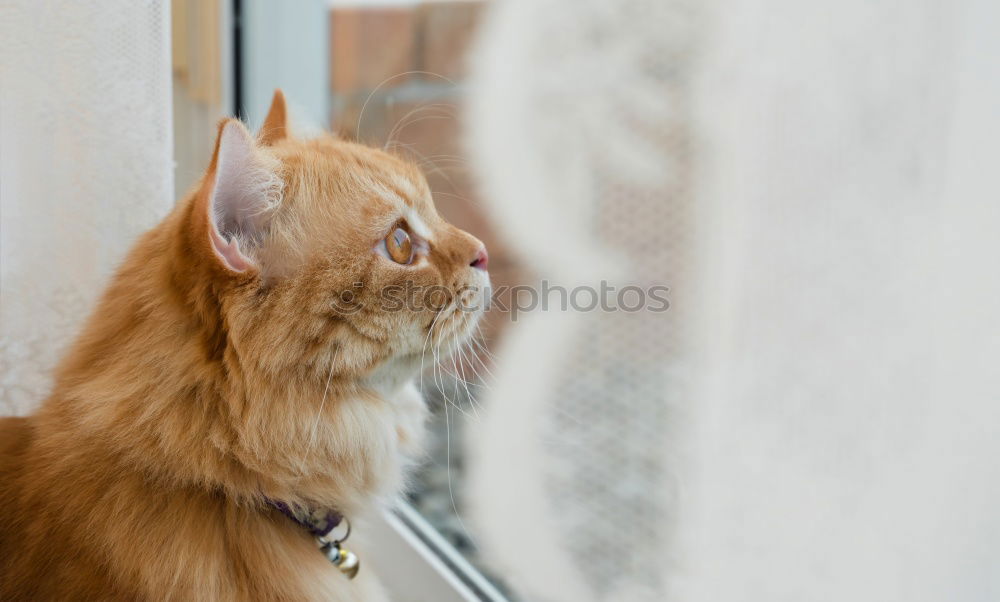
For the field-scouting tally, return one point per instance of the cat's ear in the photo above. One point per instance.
(241, 191)
(275, 126)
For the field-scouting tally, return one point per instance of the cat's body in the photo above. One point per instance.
(216, 374)
(92, 531)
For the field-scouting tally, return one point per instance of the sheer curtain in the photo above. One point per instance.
(85, 165)
(815, 417)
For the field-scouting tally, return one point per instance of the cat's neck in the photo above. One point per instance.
(389, 378)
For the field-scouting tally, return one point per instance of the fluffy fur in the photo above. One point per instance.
(216, 372)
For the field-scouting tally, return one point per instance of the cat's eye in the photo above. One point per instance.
(399, 246)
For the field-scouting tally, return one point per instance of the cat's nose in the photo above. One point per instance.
(481, 260)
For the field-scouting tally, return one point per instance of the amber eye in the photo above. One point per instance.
(399, 246)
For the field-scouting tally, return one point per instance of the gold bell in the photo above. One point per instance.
(348, 563)
(345, 560)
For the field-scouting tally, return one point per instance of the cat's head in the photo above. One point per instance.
(329, 255)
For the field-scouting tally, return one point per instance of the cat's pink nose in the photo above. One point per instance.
(481, 260)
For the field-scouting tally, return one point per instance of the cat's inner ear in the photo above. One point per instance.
(244, 195)
(275, 126)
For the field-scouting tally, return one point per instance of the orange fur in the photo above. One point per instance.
(195, 390)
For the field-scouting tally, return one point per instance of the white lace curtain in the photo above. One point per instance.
(85, 165)
(816, 416)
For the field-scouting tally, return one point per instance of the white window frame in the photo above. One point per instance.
(416, 564)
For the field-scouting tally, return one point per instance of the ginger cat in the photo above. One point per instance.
(242, 354)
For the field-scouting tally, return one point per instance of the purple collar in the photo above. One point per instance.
(316, 521)
(321, 523)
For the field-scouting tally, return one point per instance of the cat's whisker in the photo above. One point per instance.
(423, 350)
(401, 123)
(488, 378)
(482, 349)
(474, 360)
(371, 94)
(447, 156)
(451, 488)
(453, 195)
(458, 363)
(468, 365)
(481, 337)
(398, 129)
(477, 349)
(436, 355)
(322, 403)
(457, 161)
(436, 168)
(441, 385)
(449, 400)
(425, 164)
(414, 111)
(481, 341)
(484, 383)
(439, 371)
(459, 376)
(434, 159)
(468, 392)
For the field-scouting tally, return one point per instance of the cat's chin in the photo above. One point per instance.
(397, 371)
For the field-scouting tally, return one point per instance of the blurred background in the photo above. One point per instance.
(816, 415)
